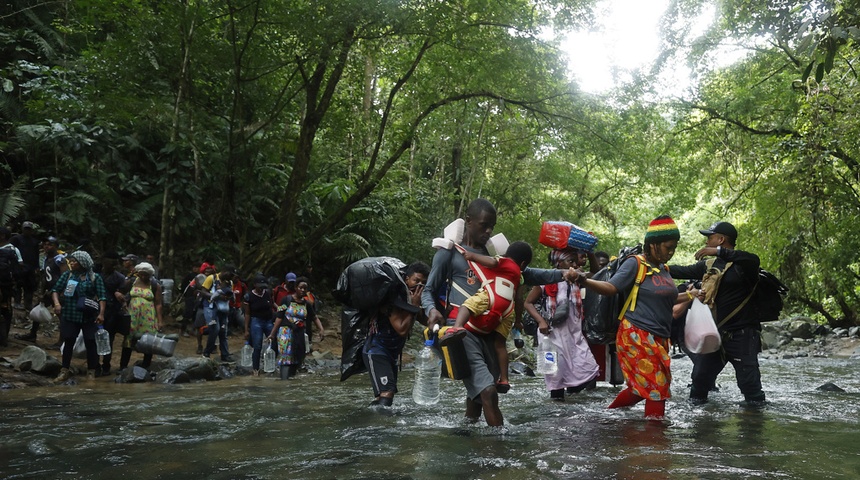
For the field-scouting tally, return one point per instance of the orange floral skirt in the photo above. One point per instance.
(644, 359)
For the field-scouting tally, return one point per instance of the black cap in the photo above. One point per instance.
(723, 228)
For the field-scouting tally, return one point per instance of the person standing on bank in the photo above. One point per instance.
(740, 329)
(74, 286)
(643, 335)
(294, 314)
(451, 266)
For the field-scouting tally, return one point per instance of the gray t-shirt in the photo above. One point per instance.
(654, 302)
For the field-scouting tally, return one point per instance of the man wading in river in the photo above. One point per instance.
(450, 267)
(740, 329)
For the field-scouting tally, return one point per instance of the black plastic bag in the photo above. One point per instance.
(354, 326)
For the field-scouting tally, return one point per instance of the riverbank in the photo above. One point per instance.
(798, 337)
(326, 351)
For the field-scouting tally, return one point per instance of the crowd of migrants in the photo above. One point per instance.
(463, 292)
(127, 298)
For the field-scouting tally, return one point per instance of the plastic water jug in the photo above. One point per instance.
(427, 375)
(546, 357)
(269, 358)
(102, 341)
(247, 351)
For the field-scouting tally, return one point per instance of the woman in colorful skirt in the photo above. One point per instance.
(643, 335)
(294, 312)
(144, 307)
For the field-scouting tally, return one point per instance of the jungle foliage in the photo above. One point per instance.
(280, 133)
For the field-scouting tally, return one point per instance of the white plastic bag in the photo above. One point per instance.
(700, 332)
(80, 350)
(40, 314)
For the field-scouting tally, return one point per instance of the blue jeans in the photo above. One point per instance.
(217, 330)
(260, 329)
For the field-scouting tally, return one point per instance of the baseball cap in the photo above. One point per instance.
(27, 225)
(291, 277)
(130, 256)
(723, 228)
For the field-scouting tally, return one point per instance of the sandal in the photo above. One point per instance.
(452, 334)
(503, 387)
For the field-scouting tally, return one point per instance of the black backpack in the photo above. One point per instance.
(601, 311)
(8, 266)
(766, 298)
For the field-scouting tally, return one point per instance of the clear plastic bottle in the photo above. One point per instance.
(247, 351)
(102, 341)
(268, 358)
(546, 357)
(427, 375)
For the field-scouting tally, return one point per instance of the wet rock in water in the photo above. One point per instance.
(854, 332)
(172, 376)
(521, 368)
(133, 375)
(197, 368)
(840, 332)
(6, 386)
(224, 372)
(830, 387)
(35, 359)
(244, 371)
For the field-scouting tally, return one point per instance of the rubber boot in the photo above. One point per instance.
(655, 409)
(557, 395)
(625, 398)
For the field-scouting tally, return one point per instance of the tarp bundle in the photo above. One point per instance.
(363, 287)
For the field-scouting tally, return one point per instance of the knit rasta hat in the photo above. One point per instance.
(662, 229)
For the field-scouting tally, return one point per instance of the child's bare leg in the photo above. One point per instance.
(502, 353)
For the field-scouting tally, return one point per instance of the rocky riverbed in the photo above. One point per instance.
(24, 364)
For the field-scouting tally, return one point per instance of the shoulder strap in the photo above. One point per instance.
(642, 271)
(739, 307)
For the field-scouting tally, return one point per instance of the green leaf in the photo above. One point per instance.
(807, 71)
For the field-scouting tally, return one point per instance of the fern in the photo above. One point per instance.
(12, 201)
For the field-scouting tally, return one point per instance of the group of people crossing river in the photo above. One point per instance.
(474, 296)
(645, 327)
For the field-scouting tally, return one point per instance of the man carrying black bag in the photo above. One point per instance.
(736, 318)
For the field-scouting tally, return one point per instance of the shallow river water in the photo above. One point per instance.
(315, 427)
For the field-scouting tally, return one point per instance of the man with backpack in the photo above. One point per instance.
(729, 280)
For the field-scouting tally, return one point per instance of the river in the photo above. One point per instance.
(315, 427)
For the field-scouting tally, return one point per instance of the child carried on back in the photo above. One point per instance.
(491, 311)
